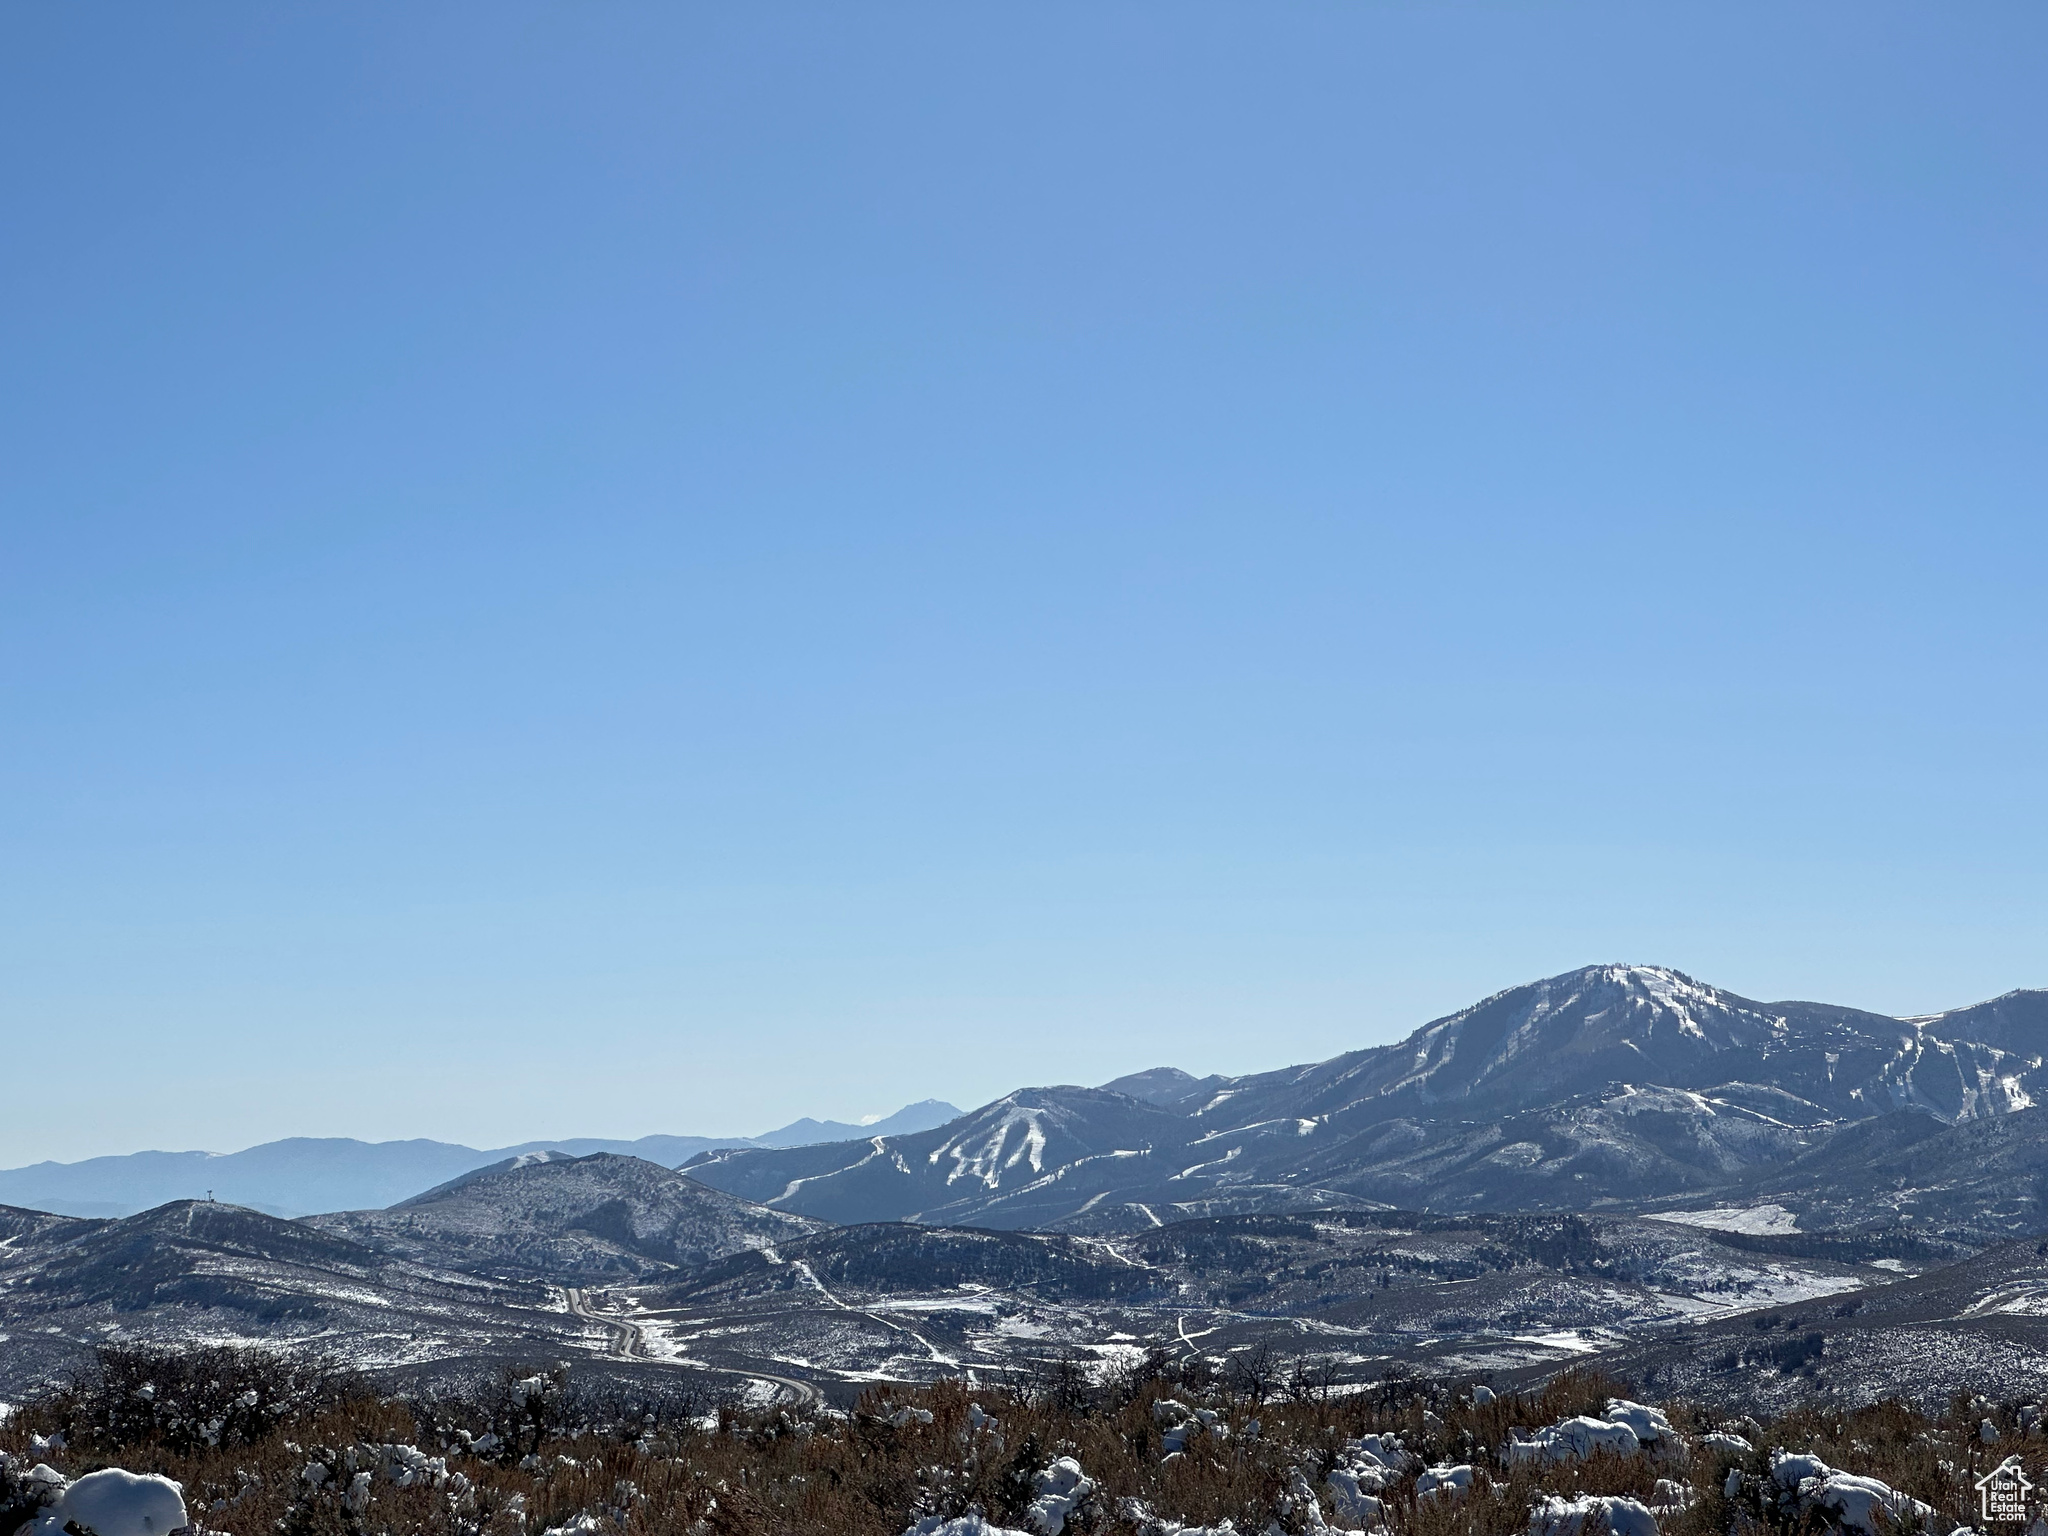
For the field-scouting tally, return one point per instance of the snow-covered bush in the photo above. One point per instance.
(1444, 1480)
(1648, 1424)
(112, 1502)
(1556, 1516)
(1671, 1497)
(1180, 1424)
(1061, 1487)
(1857, 1503)
(959, 1525)
(1386, 1449)
(1337, 1463)
(1138, 1515)
(1624, 1429)
(407, 1466)
(1355, 1496)
(1575, 1439)
(1364, 1469)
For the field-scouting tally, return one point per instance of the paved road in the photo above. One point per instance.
(629, 1342)
(931, 1349)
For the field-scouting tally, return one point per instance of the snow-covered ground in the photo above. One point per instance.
(1754, 1220)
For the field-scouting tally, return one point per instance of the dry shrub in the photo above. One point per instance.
(672, 1466)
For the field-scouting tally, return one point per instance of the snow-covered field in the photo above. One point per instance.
(1756, 1220)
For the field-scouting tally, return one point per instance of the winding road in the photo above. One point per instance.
(629, 1342)
(811, 1276)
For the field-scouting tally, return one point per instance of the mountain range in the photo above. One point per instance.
(641, 1273)
(302, 1175)
(1609, 1087)
(1620, 1164)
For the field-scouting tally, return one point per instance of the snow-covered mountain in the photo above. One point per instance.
(1023, 1161)
(1415, 1203)
(2016, 1022)
(302, 1174)
(1609, 1085)
(1572, 1035)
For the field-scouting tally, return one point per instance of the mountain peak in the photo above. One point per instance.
(1662, 982)
(1627, 1023)
(924, 1115)
(1168, 1087)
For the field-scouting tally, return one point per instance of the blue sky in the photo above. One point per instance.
(610, 569)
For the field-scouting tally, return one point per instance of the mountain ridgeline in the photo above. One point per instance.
(586, 1220)
(303, 1174)
(1612, 1159)
(1621, 1087)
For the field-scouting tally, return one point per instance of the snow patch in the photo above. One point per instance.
(1752, 1220)
(985, 1160)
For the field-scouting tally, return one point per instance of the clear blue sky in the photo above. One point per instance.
(597, 569)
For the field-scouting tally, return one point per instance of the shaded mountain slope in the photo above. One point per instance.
(20, 1229)
(1977, 1326)
(569, 1220)
(193, 1251)
(1980, 1180)
(1167, 1087)
(201, 1271)
(2015, 1022)
(901, 1258)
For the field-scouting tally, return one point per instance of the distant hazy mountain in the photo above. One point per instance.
(1168, 1087)
(1611, 1085)
(673, 1151)
(921, 1116)
(305, 1174)
(283, 1178)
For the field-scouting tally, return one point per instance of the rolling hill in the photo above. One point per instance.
(572, 1220)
